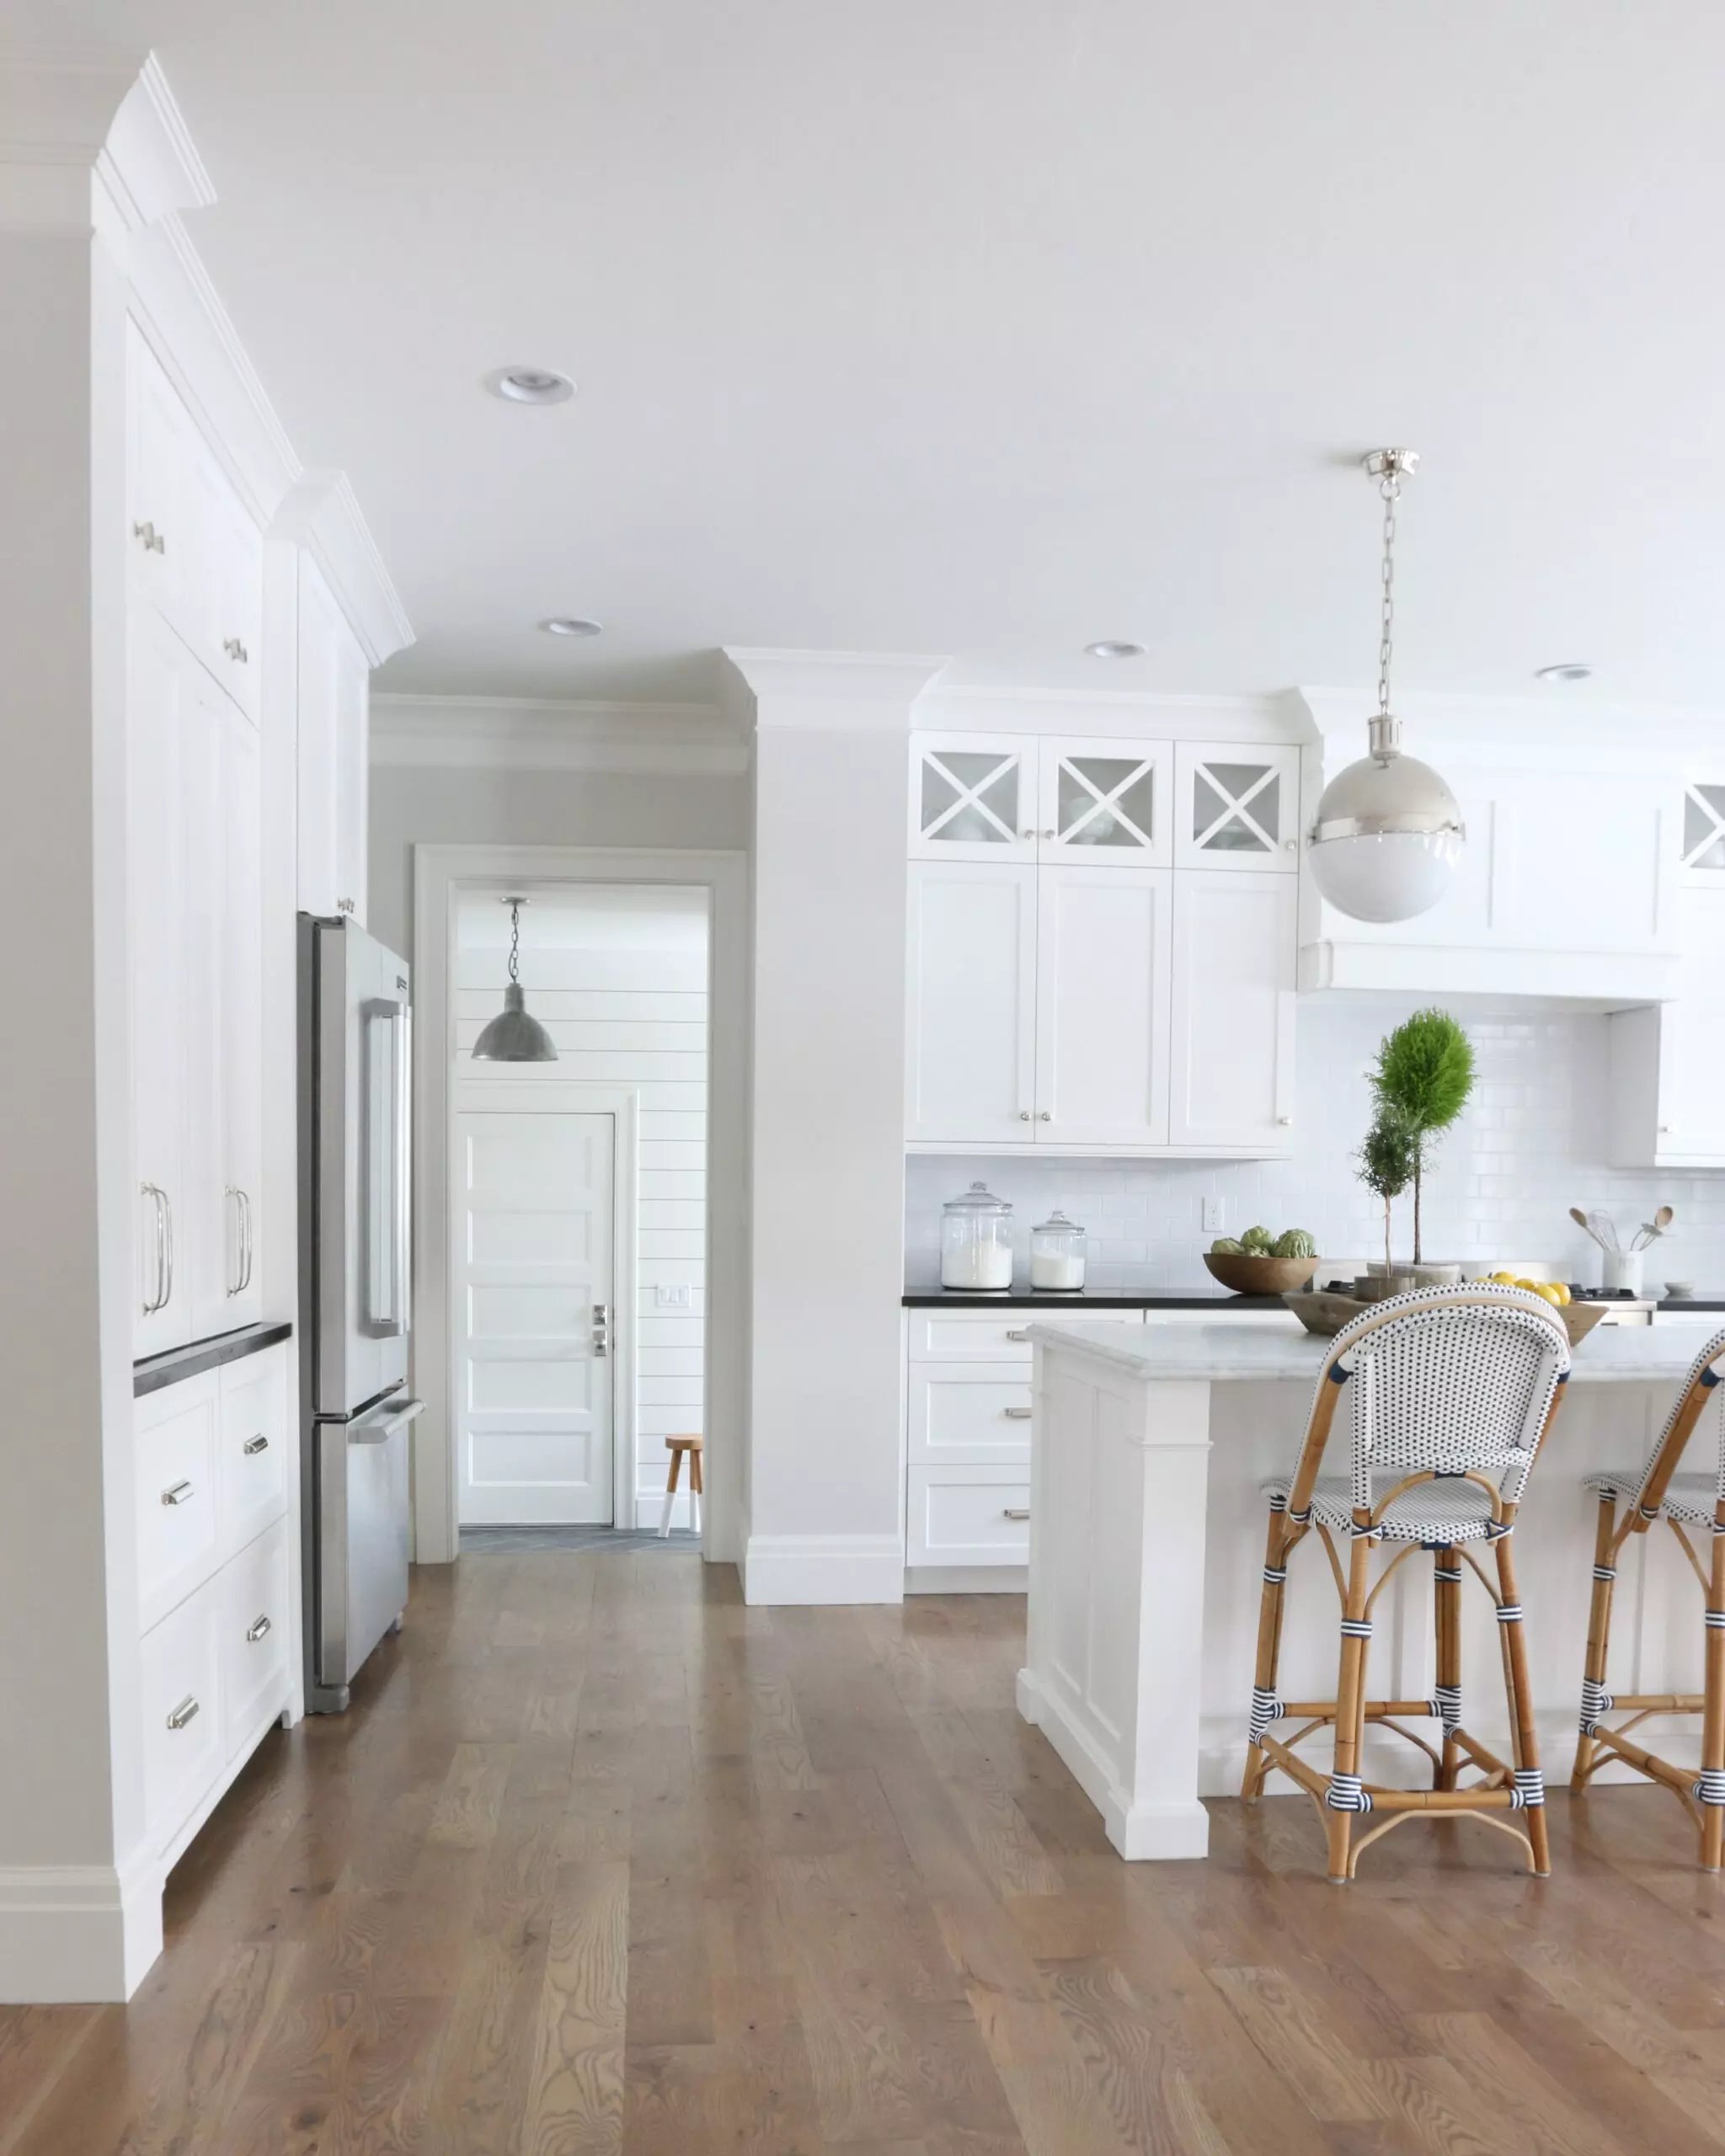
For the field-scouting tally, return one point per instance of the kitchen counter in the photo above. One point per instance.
(929, 1294)
(1148, 1446)
(175, 1364)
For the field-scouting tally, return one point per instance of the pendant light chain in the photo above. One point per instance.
(515, 940)
(1390, 487)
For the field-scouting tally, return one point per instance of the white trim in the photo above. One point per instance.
(812, 691)
(527, 1093)
(440, 874)
(323, 514)
(1113, 714)
(71, 1934)
(1141, 1832)
(534, 734)
(967, 1579)
(785, 1569)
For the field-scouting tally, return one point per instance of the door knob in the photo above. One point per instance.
(602, 1328)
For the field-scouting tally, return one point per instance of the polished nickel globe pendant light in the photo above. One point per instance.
(1388, 833)
(513, 1036)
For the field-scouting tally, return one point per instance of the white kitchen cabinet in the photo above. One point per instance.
(1232, 1019)
(1104, 938)
(334, 702)
(1106, 801)
(241, 1019)
(973, 797)
(968, 1516)
(237, 584)
(970, 1064)
(976, 1413)
(1237, 807)
(1667, 1060)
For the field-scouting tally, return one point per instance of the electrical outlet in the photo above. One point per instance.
(671, 1298)
(1213, 1216)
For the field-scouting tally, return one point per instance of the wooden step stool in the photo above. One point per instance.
(677, 1447)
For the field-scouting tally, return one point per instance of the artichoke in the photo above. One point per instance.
(1256, 1242)
(1225, 1246)
(1293, 1243)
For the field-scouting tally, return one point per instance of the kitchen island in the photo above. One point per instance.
(1146, 1555)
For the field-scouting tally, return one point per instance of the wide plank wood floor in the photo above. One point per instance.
(603, 1861)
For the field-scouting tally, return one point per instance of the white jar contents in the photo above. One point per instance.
(1057, 1251)
(978, 1265)
(1050, 1269)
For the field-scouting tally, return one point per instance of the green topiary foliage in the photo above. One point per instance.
(1424, 1077)
(1386, 1161)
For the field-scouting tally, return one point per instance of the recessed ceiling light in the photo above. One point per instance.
(1571, 670)
(530, 386)
(1113, 647)
(572, 624)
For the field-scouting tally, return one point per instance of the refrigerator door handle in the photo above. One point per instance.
(389, 1111)
(379, 1427)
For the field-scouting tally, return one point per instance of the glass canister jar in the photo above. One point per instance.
(975, 1241)
(1057, 1253)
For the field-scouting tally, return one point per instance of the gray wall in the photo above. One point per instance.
(411, 807)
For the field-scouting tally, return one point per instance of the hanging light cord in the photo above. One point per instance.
(1390, 487)
(514, 937)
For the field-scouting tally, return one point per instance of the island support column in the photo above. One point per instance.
(1119, 1476)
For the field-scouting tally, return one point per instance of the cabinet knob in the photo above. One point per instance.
(1023, 1115)
(1046, 1116)
(236, 650)
(1284, 1120)
(344, 905)
(253, 1446)
(256, 1630)
(178, 1495)
(1048, 835)
(1027, 835)
(1291, 845)
(154, 542)
(183, 1713)
(1664, 1130)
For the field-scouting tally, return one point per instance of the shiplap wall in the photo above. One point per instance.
(635, 1016)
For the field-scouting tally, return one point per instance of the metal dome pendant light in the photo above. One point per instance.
(513, 1036)
(1388, 832)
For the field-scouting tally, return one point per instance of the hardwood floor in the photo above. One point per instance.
(602, 1860)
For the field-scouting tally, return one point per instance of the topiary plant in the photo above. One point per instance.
(1424, 1076)
(1386, 1161)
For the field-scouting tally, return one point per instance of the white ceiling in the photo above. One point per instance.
(588, 917)
(988, 327)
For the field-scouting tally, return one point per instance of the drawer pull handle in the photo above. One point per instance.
(1018, 1414)
(253, 1446)
(256, 1630)
(184, 1713)
(178, 1495)
(1016, 1511)
(1018, 1336)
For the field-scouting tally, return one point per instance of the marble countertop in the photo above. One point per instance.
(1623, 1354)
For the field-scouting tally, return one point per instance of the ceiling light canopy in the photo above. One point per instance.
(1113, 647)
(572, 624)
(1567, 670)
(530, 386)
(1388, 833)
(513, 1036)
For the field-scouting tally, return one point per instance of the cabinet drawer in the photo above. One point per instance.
(978, 1412)
(967, 1516)
(253, 1423)
(256, 1630)
(176, 1494)
(180, 1680)
(971, 1336)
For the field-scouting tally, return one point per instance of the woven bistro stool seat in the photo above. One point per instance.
(1691, 1505)
(1449, 1392)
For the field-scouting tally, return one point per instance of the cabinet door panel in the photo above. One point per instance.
(973, 798)
(970, 1021)
(1238, 808)
(1107, 802)
(209, 716)
(334, 686)
(162, 547)
(1233, 1011)
(241, 1069)
(1104, 941)
(238, 621)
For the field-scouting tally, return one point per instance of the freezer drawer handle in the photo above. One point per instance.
(256, 1630)
(184, 1713)
(253, 1446)
(380, 1431)
(178, 1495)
(1016, 1511)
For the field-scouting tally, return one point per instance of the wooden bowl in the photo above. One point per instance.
(1325, 1314)
(1259, 1276)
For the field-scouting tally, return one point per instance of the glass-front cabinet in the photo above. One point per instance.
(1239, 807)
(978, 796)
(973, 797)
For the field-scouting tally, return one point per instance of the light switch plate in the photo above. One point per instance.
(1214, 1217)
(671, 1298)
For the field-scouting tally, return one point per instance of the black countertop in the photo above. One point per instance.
(929, 1296)
(174, 1364)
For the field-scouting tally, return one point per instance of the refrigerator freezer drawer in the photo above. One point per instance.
(362, 1540)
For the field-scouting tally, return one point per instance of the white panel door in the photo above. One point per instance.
(1107, 802)
(1103, 941)
(1233, 1002)
(971, 1024)
(534, 1300)
(1238, 807)
(973, 797)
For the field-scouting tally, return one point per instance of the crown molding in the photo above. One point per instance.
(1515, 733)
(531, 733)
(321, 513)
(820, 691)
(976, 708)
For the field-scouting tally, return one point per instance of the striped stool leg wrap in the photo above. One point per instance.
(1607, 1573)
(1710, 1786)
(1445, 1706)
(1649, 1512)
(1275, 1575)
(1509, 1613)
(1496, 1529)
(1719, 1527)
(1447, 1575)
(1300, 1520)
(1266, 1708)
(1716, 1619)
(1279, 1503)
(1595, 1700)
(1527, 1789)
(1356, 1628)
(1346, 1793)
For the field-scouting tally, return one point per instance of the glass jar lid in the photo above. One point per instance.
(977, 1199)
(1057, 1224)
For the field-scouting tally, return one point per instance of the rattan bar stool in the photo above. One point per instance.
(1450, 1392)
(1657, 1491)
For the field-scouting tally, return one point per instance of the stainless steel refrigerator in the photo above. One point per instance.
(355, 1099)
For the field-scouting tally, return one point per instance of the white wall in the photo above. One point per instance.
(1530, 1145)
(412, 805)
(619, 980)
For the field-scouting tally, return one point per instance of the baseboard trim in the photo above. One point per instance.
(803, 1569)
(77, 1935)
(1141, 1832)
(967, 1579)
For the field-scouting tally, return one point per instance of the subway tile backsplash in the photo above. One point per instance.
(1530, 1145)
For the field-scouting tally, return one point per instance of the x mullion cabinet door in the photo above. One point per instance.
(1237, 807)
(1108, 804)
(973, 797)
